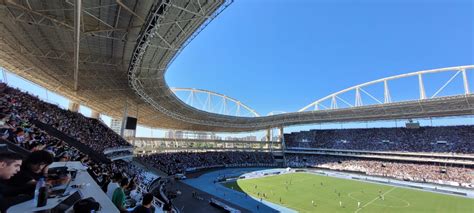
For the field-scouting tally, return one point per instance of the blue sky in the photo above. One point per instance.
(283, 55)
(277, 55)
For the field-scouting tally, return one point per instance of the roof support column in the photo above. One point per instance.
(465, 82)
(77, 40)
(422, 87)
(281, 137)
(386, 93)
(73, 106)
(268, 135)
(4, 74)
(124, 119)
(95, 114)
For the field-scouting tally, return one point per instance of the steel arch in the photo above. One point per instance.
(224, 97)
(387, 97)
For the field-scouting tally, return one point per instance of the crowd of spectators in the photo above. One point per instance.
(124, 153)
(21, 132)
(446, 139)
(143, 176)
(180, 162)
(422, 172)
(89, 131)
(17, 109)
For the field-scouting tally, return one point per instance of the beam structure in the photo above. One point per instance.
(77, 40)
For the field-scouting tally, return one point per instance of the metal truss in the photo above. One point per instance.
(182, 144)
(206, 105)
(19, 13)
(114, 34)
(26, 15)
(359, 89)
(151, 31)
(164, 30)
(68, 56)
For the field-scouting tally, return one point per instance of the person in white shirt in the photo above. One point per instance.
(135, 195)
(114, 184)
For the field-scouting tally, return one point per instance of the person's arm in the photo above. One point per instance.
(123, 209)
(8, 201)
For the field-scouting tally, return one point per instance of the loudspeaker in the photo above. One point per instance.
(131, 123)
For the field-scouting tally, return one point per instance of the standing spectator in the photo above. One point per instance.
(118, 197)
(114, 184)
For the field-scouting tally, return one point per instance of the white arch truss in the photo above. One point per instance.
(206, 105)
(358, 90)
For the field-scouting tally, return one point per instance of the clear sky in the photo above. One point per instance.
(283, 55)
(277, 55)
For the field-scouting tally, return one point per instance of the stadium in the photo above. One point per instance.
(217, 154)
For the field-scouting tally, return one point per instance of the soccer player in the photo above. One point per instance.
(358, 204)
(340, 203)
(312, 202)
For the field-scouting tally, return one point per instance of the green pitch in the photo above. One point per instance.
(298, 191)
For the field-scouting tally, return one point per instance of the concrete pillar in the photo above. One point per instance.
(280, 134)
(95, 114)
(124, 119)
(281, 137)
(74, 106)
(269, 135)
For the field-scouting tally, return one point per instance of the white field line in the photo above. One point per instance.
(374, 199)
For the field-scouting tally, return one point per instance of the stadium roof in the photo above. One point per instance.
(124, 50)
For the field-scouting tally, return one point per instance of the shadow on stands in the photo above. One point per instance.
(71, 141)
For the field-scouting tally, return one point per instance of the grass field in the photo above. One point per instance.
(328, 192)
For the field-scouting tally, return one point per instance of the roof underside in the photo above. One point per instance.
(37, 43)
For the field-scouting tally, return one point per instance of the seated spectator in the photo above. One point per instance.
(10, 164)
(147, 205)
(179, 162)
(442, 139)
(34, 167)
(403, 170)
(118, 197)
(17, 105)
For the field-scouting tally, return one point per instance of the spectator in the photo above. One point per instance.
(179, 162)
(9, 165)
(445, 139)
(114, 184)
(146, 206)
(88, 131)
(413, 171)
(34, 167)
(118, 197)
